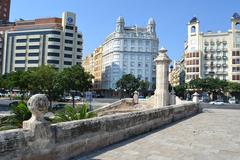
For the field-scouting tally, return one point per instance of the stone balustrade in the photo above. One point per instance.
(40, 140)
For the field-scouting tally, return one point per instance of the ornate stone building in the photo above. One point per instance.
(129, 49)
(213, 54)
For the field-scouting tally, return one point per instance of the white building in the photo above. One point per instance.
(213, 54)
(46, 41)
(129, 50)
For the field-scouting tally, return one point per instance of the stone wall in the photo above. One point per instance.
(66, 140)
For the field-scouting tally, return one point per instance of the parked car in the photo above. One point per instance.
(217, 102)
(2, 94)
(232, 100)
(58, 106)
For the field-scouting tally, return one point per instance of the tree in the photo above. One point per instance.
(75, 79)
(234, 89)
(45, 80)
(143, 87)
(180, 90)
(129, 83)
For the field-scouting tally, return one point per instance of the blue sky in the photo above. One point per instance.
(96, 18)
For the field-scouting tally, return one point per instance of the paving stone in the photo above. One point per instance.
(211, 135)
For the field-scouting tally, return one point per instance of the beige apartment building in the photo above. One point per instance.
(213, 54)
(93, 64)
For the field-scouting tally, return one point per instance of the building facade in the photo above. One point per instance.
(177, 74)
(97, 68)
(88, 63)
(46, 41)
(129, 50)
(213, 54)
(4, 11)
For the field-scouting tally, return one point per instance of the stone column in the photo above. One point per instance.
(196, 97)
(135, 97)
(162, 66)
(172, 97)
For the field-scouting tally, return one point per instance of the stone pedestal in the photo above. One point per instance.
(196, 97)
(162, 66)
(135, 97)
(172, 97)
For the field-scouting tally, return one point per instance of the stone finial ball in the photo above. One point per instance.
(38, 104)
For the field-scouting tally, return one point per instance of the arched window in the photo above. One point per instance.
(193, 29)
(238, 25)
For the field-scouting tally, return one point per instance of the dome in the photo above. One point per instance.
(194, 20)
(151, 21)
(236, 16)
(120, 19)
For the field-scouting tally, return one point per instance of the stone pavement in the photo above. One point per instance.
(211, 135)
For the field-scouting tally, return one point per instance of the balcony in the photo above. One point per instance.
(218, 57)
(212, 50)
(224, 57)
(218, 65)
(206, 50)
(224, 42)
(221, 72)
(210, 72)
(212, 43)
(225, 50)
(206, 43)
(218, 50)
(218, 42)
(224, 65)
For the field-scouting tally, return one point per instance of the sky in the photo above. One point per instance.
(96, 18)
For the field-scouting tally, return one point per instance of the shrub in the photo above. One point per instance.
(21, 113)
(69, 113)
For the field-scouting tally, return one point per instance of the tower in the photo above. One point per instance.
(193, 34)
(235, 20)
(120, 24)
(151, 27)
(4, 10)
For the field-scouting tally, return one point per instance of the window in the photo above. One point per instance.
(53, 47)
(34, 47)
(33, 54)
(67, 63)
(19, 61)
(53, 61)
(79, 50)
(139, 64)
(34, 40)
(79, 57)
(132, 64)
(21, 40)
(20, 54)
(69, 27)
(79, 42)
(54, 39)
(193, 29)
(68, 48)
(55, 32)
(54, 54)
(67, 56)
(20, 47)
(69, 34)
(68, 41)
(19, 68)
(32, 61)
(79, 36)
